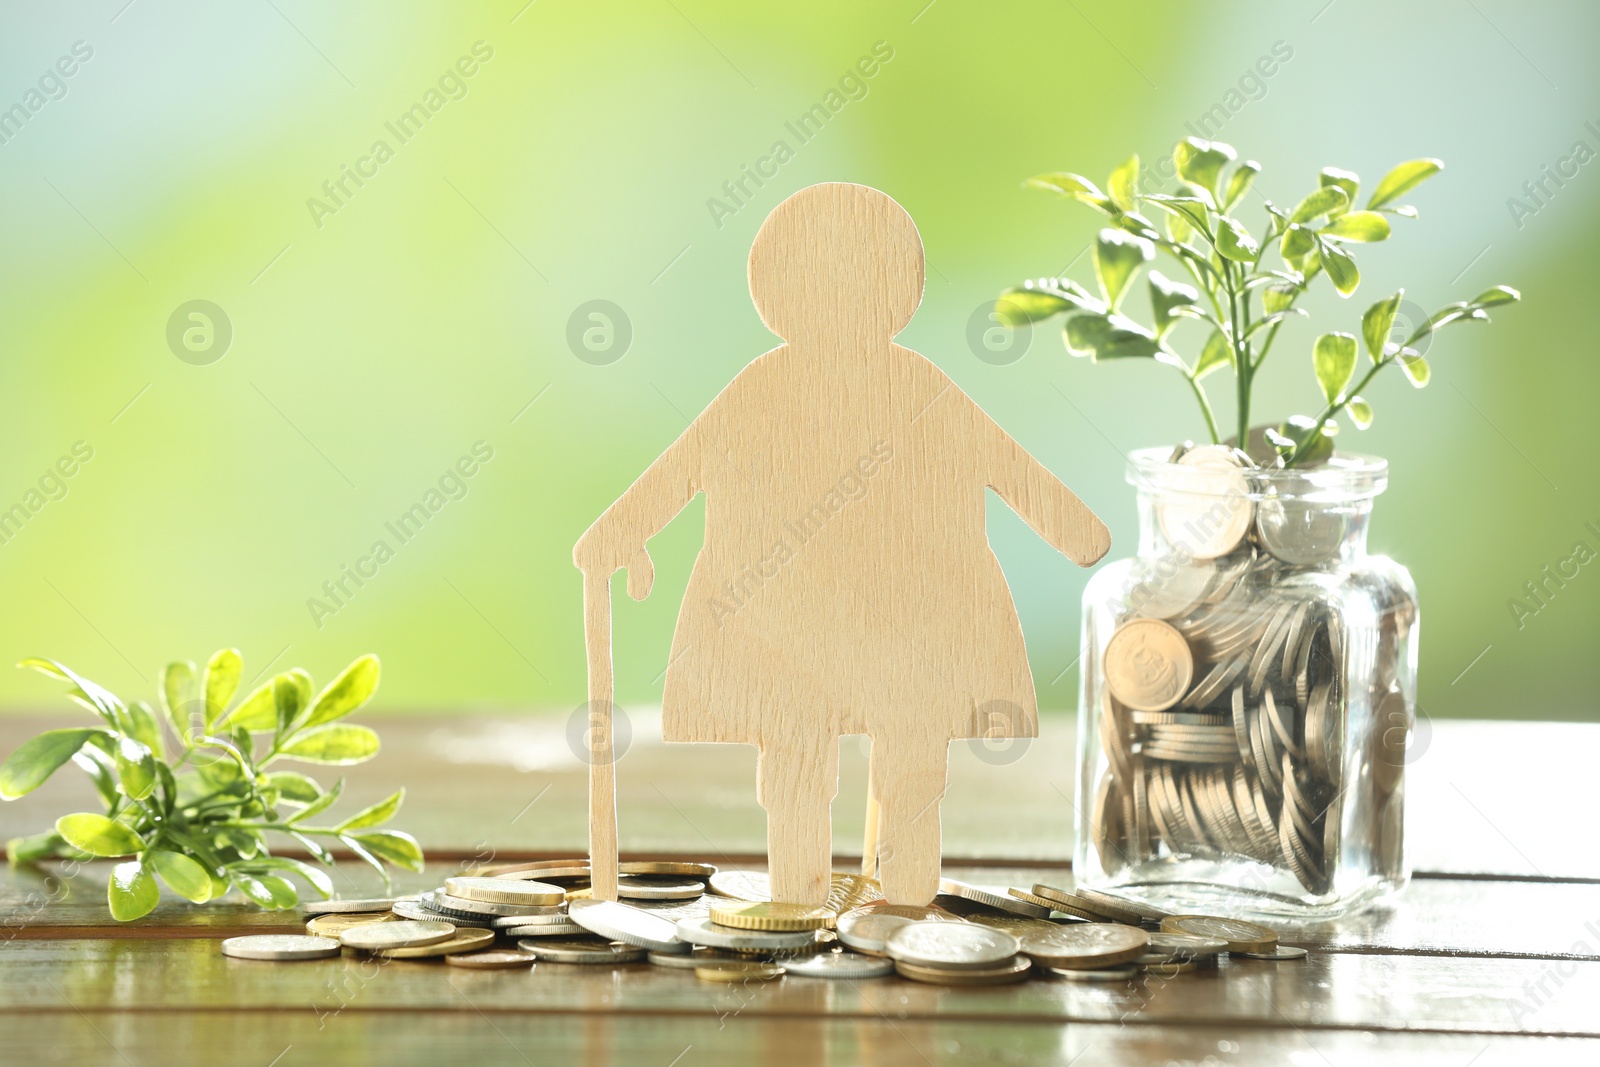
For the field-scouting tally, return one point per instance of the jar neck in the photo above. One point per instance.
(1298, 530)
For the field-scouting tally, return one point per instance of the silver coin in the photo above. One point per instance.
(1282, 952)
(1107, 974)
(1301, 532)
(1191, 946)
(403, 934)
(742, 885)
(700, 957)
(998, 901)
(564, 928)
(635, 887)
(281, 947)
(511, 891)
(422, 912)
(713, 935)
(341, 907)
(867, 929)
(505, 922)
(615, 921)
(1167, 588)
(839, 964)
(951, 945)
(445, 902)
(1211, 515)
(592, 952)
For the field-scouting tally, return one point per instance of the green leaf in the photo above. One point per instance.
(1118, 255)
(1403, 179)
(98, 835)
(313, 846)
(335, 743)
(247, 843)
(1018, 307)
(37, 759)
(1340, 267)
(1244, 175)
(1191, 209)
(321, 804)
(222, 680)
(399, 849)
(1333, 358)
(1377, 322)
(1166, 294)
(95, 697)
(267, 890)
(1300, 438)
(1417, 370)
(183, 875)
(142, 726)
(132, 891)
(97, 762)
(257, 712)
(1136, 223)
(1276, 298)
(355, 686)
(1328, 199)
(178, 693)
(1499, 294)
(136, 768)
(1217, 353)
(1360, 412)
(1109, 337)
(1200, 162)
(293, 696)
(1235, 242)
(1297, 241)
(1268, 321)
(1358, 226)
(293, 786)
(1123, 185)
(376, 815)
(36, 847)
(318, 879)
(1348, 180)
(1074, 186)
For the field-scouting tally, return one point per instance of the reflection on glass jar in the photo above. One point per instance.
(1249, 693)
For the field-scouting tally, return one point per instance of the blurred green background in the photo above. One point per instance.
(376, 339)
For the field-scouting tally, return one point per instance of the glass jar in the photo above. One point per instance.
(1249, 685)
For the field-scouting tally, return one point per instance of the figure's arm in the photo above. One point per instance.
(617, 538)
(1039, 497)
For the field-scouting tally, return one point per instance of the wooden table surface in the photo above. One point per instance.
(1491, 956)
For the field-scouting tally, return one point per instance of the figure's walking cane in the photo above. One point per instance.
(598, 739)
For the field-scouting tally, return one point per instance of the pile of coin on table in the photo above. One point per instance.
(1224, 705)
(723, 927)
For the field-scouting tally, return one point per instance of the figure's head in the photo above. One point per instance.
(836, 259)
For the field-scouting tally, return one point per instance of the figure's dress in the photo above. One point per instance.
(824, 598)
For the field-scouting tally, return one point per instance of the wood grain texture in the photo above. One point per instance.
(1354, 991)
(846, 584)
(432, 1038)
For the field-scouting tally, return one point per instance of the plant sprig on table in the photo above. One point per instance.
(198, 820)
(1240, 298)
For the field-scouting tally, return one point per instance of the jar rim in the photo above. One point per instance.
(1346, 476)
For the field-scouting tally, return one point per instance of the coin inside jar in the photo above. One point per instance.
(1212, 512)
(1299, 531)
(1148, 665)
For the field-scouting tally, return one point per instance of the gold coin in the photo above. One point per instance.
(739, 972)
(680, 868)
(334, 925)
(466, 939)
(492, 960)
(756, 915)
(1013, 970)
(1148, 665)
(1241, 936)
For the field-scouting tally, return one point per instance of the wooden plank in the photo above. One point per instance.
(459, 1035)
(1387, 993)
(492, 784)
